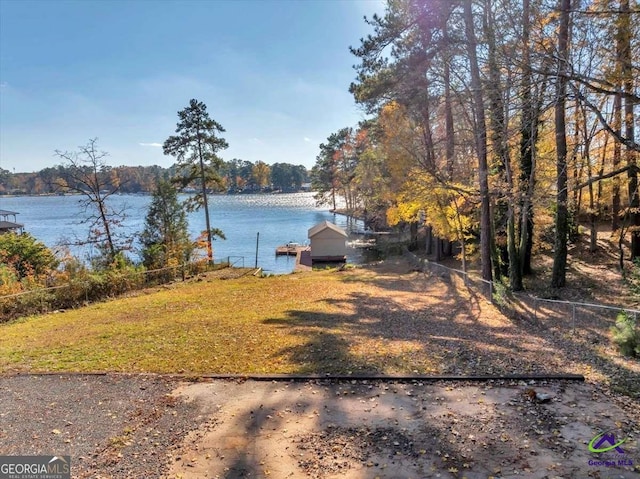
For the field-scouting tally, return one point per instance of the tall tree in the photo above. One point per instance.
(529, 125)
(504, 211)
(195, 148)
(480, 143)
(559, 273)
(628, 77)
(325, 174)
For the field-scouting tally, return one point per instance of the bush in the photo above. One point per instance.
(75, 285)
(27, 256)
(626, 335)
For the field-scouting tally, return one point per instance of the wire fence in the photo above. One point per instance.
(95, 286)
(567, 315)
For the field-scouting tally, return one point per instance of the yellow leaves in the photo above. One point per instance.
(398, 140)
(404, 211)
(260, 173)
(445, 207)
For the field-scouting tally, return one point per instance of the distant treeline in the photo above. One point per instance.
(239, 176)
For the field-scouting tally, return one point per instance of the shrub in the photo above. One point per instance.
(26, 255)
(626, 335)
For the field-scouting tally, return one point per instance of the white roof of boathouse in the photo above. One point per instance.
(324, 225)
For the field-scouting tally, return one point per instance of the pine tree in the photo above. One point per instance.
(165, 238)
(195, 147)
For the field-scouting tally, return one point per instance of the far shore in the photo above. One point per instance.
(147, 193)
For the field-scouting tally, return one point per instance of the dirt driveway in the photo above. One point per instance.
(121, 426)
(357, 429)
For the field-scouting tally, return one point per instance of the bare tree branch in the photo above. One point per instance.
(611, 174)
(628, 142)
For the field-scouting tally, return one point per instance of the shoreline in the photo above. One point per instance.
(356, 215)
(149, 193)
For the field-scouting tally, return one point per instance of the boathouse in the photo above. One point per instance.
(328, 242)
(6, 225)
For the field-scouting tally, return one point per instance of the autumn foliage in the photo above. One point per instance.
(501, 126)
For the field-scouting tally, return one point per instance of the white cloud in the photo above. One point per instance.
(155, 145)
(308, 140)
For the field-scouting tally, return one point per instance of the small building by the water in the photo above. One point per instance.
(8, 222)
(328, 242)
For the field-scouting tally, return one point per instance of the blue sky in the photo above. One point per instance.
(275, 74)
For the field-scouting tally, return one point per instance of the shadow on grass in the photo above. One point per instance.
(424, 324)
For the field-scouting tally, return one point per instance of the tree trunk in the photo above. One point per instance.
(559, 274)
(413, 232)
(617, 155)
(594, 209)
(106, 224)
(577, 175)
(505, 215)
(461, 238)
(447, 248)
(629, 121)
(481, 144)
(528, 138)
(206, 204)
(448, 113)
(598, 200)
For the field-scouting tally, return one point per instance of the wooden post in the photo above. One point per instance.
(257, 244)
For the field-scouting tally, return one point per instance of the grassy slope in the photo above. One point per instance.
(380, 320)
(232, 326)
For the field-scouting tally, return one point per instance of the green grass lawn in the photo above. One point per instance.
(382, 320)
(278, 324)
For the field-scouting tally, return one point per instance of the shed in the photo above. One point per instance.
(328, 242)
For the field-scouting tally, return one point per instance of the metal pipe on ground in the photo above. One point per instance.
(330, 377)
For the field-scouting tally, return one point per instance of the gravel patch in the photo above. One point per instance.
(146, 426)
(112, 426)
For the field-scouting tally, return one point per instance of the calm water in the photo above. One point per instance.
(278, 218)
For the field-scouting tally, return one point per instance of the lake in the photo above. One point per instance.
(279, 218)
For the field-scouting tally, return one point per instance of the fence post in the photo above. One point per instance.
(573, 317)
(535, 308)
(182, 271)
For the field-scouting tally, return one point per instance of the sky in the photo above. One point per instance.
(274, 74)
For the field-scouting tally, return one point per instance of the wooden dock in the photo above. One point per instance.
(288, 249)
(301, 252)
(303, 259)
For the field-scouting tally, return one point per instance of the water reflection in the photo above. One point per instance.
(279, 218)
